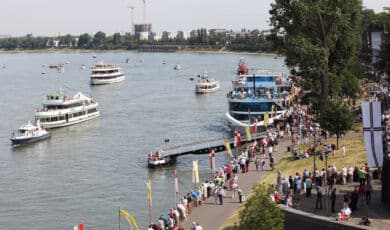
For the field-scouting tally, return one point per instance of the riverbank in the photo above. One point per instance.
(183, 50)
(213, 216)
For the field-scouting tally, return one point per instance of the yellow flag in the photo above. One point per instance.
(265, 119)
(272, 110)
(149, 190)
(228, 149)
(195, 172)
(248, 133)
(129, 218)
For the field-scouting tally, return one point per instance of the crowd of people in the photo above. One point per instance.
(293, 188)
(224, 184)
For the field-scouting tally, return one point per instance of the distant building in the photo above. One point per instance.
(194, 33)
(376, 44)
(157, 36)
(142, 30)
(143, 35)
(243, 35)
(214, 32)
(166, 35)
(183, 35)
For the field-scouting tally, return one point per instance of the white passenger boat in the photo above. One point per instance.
(206, 84)
(29, 133)
(105, 74)
(59, 110)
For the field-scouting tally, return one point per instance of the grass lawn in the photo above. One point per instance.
(355, 155)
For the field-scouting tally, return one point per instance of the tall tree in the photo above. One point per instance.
(260, 212)
(99, 40)
(336, 118)
(84, 40)
(322, 36)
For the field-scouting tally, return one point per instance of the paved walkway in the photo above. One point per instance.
(212, 216)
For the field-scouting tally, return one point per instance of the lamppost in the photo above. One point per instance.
(314, 154)
(326, 182)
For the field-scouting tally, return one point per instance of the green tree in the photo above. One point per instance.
(84, 41)
(350, 85)
(260, 212)
(336, 118)
(322, 36)
(99, 40)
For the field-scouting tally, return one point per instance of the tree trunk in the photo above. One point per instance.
(325, 82)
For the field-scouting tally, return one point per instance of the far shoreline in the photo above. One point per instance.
(197, 51)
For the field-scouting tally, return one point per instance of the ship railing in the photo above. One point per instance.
(232, 95)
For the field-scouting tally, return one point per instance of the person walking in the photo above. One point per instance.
(308, 184)
(319, 198)
(220, 196)
(333, 198)
(343, 150)
(369, 190)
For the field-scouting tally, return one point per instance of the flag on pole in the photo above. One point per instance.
(239, 143)
(272, 110)
(149, 190)
(176, 182)
(212, 159)
(228, 149)
(276, 111)
(79, 227)
(195, 172)
(248, 133)
(129, 218)
(254, 128)
(265, 122)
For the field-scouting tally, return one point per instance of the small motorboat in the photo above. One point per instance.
(29, 133)
(157, 160)
(177, 67)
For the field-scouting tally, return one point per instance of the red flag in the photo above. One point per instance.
(176, 182)
(238, 139)
(212, 159)
(79, 227)
(254, 128)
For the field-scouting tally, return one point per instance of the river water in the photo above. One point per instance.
(86, 171)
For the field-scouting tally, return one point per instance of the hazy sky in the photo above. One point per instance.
(46, 17)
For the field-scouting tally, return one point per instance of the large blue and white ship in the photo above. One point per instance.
(256, 94)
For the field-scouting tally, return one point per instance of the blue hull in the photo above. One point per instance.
(16, 142)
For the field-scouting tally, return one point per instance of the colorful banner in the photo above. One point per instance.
(372, 130)
(254, 127)
(195, 172)
(228, 149)
(265, 122)
(129, 218)
(248, 133)
(149, 190)
(212, 159)
(79, 227)
(176, 182)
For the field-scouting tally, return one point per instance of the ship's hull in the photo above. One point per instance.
(26, 140)
(97, 81)
(71, 121)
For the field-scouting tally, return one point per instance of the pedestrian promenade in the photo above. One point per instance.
(212, 216)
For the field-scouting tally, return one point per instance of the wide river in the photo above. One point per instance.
(86, 171)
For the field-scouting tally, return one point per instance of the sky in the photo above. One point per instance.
(48, 17)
